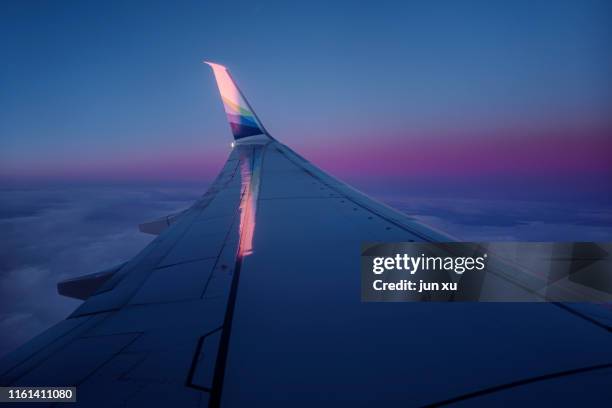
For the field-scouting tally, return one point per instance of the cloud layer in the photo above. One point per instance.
(53, 234)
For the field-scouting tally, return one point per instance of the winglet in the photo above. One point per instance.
(241, 117)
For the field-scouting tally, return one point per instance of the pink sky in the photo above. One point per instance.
(541, 159)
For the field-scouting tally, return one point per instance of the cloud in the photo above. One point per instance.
(504, 220)
(54, 234)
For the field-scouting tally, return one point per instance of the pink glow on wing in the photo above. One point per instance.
(247, 208)
(232, 100)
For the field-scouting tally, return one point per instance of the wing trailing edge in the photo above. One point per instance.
(159, 225)
(84, 286)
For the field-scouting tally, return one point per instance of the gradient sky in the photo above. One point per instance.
(443, 109)
(491, 98)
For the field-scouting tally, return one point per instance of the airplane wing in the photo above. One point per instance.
(252, 297)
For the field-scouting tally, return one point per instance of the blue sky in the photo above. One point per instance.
(97, 89)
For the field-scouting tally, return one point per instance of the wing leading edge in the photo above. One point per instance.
(251, 296)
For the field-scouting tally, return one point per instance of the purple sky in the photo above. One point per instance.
(474, 98)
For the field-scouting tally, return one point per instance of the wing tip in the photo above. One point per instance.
(214, 65)
(242, 119)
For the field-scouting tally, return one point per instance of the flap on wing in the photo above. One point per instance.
(157, 226)
(85, 286)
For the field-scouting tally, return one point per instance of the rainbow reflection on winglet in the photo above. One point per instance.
(242, 119)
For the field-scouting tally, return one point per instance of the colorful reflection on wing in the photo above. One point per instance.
(249, 172)
(241, 118)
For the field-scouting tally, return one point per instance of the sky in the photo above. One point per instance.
(476, 98)
(489, 120)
